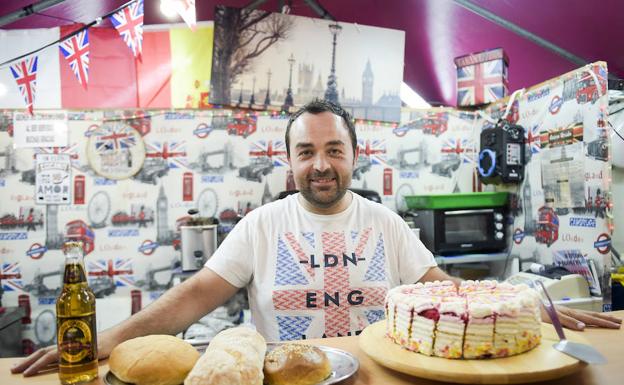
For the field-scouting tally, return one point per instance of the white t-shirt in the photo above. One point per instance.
(312, 276)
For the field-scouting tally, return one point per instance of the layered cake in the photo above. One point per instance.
(480, 319)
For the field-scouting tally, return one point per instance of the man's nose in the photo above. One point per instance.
(320, 163)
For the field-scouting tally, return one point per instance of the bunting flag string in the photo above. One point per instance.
(25, 75)
(129, 24)
(76, 53)
(186, 10)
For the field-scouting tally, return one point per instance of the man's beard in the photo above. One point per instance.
(323, 198)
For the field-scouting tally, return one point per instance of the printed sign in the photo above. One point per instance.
(52, 179)
(40, 130)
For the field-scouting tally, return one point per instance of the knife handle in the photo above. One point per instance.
(550, 309)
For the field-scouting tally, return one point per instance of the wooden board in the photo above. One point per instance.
(539, 364)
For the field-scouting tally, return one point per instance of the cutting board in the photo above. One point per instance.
(539, 364)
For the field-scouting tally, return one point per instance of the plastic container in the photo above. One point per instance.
(452, 201)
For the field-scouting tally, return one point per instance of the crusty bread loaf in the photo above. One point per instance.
(234, 357)
(296, 364)
(153, 360)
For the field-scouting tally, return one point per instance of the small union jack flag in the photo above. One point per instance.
(76, 52)
(129, 24)
(533, 138)
(460, 146)
(275, 150)
(25, 75)
(72, 151)
(119, 269)
(11, 277)
(174, 153)
(480, 83)
(374, 150)
(114, 137)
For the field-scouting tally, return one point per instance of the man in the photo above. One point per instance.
(315, 264)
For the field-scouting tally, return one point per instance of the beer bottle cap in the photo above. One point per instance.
(72, 244)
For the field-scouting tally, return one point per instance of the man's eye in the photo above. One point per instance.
(305, 153)
(335, 151)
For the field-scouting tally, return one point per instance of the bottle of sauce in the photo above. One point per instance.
(75, 321)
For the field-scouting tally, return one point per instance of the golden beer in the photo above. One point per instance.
(75, 321)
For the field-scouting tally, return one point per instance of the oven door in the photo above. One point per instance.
(469, 231)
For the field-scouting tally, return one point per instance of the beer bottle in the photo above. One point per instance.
(75, 321)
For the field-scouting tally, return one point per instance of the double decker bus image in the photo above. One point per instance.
(78, 230)
(587, 89)
(547, 226)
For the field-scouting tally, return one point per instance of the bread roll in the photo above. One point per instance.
(153, 360)
(296, 364)
(234, 357)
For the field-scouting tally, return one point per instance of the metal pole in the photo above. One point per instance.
(27, 11)
(322, 12)
(521, 31)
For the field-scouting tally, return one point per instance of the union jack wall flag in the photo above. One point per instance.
(275, 150)
(11, 277)
(76, 52)
(71, 150)
(460, 146)
(129, 24)
(481, 83)
(119, 270)
(374, 150)
(533, 138)
(174, 153)
(25, 75)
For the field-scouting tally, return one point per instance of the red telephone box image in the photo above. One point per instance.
(187, 187)
(79, 190)
(387, 181)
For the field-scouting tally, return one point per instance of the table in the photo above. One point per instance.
(608, 342)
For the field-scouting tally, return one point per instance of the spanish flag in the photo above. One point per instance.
(176, 66)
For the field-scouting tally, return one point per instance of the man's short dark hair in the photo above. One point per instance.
(316, 107)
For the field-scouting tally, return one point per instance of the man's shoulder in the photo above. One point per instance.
(376, 210)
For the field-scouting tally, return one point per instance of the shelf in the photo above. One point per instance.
(469, 258)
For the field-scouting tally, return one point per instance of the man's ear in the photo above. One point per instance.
(356, 155)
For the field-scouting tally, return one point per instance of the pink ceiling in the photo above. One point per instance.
(436, 32)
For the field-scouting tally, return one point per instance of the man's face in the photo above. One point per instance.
(321, 158)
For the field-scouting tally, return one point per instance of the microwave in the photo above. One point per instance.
(452, 231)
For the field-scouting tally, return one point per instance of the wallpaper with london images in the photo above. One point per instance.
(226, 163)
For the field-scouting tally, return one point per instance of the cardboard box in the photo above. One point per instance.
(482, 77)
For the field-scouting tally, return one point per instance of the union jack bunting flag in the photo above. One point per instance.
(480, 83)
(76, 52)
(174, 153)
(460, 146)
(374, 150)
(25, 75)
(129, 24)
(275, 150)
(119, 270)
(11, 277)
(111, 138)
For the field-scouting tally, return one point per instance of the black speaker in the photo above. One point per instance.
(502, 154)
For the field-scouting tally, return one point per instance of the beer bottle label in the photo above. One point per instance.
(77, 339)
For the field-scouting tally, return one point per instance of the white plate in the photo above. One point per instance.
(344, 365)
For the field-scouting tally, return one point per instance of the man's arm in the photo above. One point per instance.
(437, 274)
(172, 313)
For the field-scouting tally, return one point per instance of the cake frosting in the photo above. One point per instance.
(480, 319)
